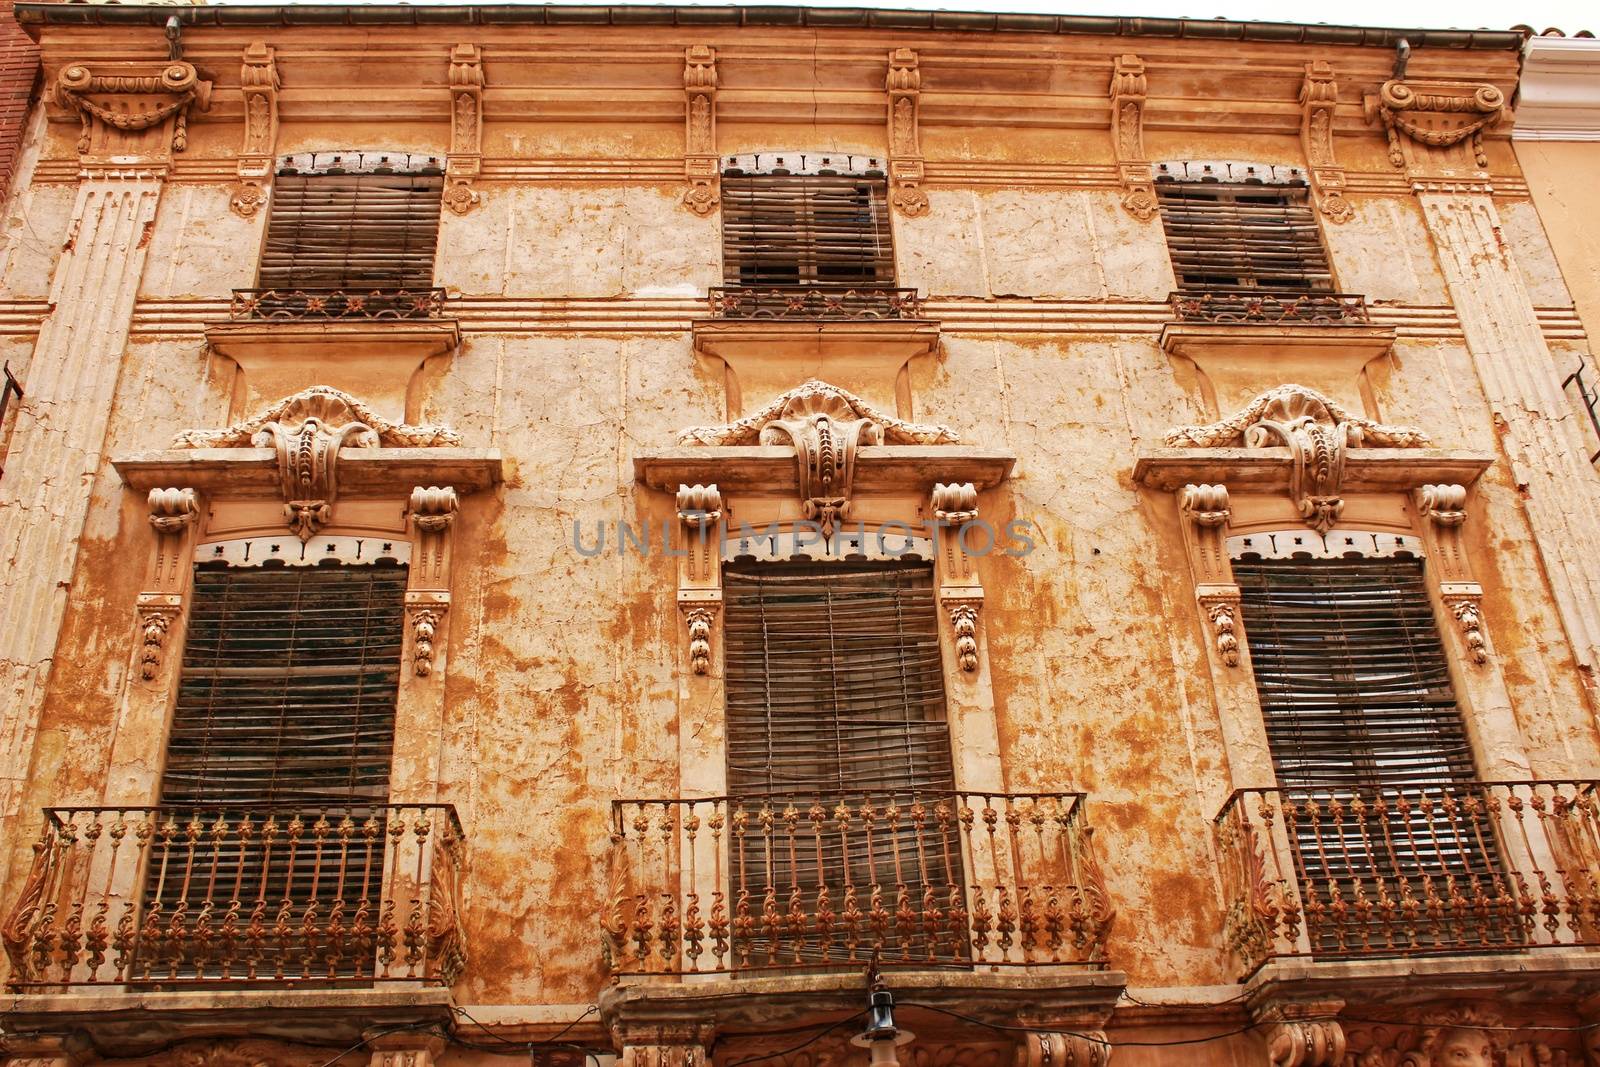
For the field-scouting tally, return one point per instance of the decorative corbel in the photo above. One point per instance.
(1319, 95)
(117, 102)
(1080, 1048)
(1303, 1033)
(1445, 508)
(1128, 91)
(1206, 513)
(173, 512)
(465, 160)
(1439, 124)
(433, 512)
(954, 505)
(258, 80)
(700, 160)
(700, 573)
(904, 86)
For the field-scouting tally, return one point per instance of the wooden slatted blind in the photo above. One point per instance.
(352, 231)
(288, 686)
(1357, 699)
(1237, 236)
(806, 229)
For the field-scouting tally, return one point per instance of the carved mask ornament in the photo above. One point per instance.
(1317, 431)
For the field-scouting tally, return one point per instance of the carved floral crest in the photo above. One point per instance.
(826, 425)
(1317, 431)
(307, 430)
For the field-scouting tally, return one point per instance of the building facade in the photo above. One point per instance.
(564, 532)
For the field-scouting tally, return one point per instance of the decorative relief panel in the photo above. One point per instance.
(258, 80)
(1128, 92)
(1436, 126)
(117, 103)
(700, 160)
(466, 128)
(307, 430)
(1462, 1035)
(1316, 430)
(1319, 96)
(904, 87)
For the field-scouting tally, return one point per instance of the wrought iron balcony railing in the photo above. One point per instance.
(814, 302)
(1262, 306)
(156, 898)
(1410, 870)
(731, 884)
(331, 305)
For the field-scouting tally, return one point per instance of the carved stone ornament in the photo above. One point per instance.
(1081, 1048)
(1445, 506)
(826, 425)
(699, 505)
(465, 160)
(954, 503)
(307, 430)
(699, 619)
(1303, 1033)
(964, 625)
(904, 87)
(258, 81)
(700, 161)
(1319, 95)
(122, 98)
(1128, 90)
(1317, 432)
(1436, 115)
(433, 511)
(173, 512)
(1459, 1035)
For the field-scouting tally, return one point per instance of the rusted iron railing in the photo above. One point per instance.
(810, 883)
(163, 897)
(318, 305)
(1265, 306)
(814, 302)
(1410, 870)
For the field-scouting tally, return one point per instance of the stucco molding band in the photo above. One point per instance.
(465, 159)
(258, 81)
(701, 164)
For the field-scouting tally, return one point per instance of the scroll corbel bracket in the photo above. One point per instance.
(701, 164)
(465, 161)
(1128, 92)
(432, 510)
(1303, 1033)
(1319, 96)
(174, 513)
(258, 81)
(1080, 1048)
(1444, 508)
(906, 171)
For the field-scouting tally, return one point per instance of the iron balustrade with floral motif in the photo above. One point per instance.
(812, 883)
(814, 302)
(1400, 870)
(320, 305)
(1269, 307)
(263, 896)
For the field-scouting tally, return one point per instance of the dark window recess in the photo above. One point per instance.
(1225, 237)
(288, 687)
(835, 695)
(360, 232)
(1356, 694)
(812, 230)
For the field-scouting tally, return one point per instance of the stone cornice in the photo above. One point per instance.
(1559, 95)
(1268, 470)
(253, 472)
(771, 468)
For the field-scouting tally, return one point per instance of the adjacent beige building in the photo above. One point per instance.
(605, 531)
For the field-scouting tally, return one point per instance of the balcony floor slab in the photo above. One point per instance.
(1541, 976)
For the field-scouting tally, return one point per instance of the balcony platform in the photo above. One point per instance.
(1538, 977)
(139, 1023)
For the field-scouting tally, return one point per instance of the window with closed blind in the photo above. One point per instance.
(1238, 236)
(806, 230)
(350, 225)
(1361, 717)
(835, 696)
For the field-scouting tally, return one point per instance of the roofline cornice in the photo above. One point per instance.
(1559, 92)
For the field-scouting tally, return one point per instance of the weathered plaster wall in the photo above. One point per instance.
(1560, 177)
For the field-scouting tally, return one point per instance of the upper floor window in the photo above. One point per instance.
(350, 226)
(1242, 234)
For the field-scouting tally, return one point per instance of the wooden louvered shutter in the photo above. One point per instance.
(1361, 719)
(352, 231)
(288, 687)
(783, 229)
(1225, 237)
(835, 695)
